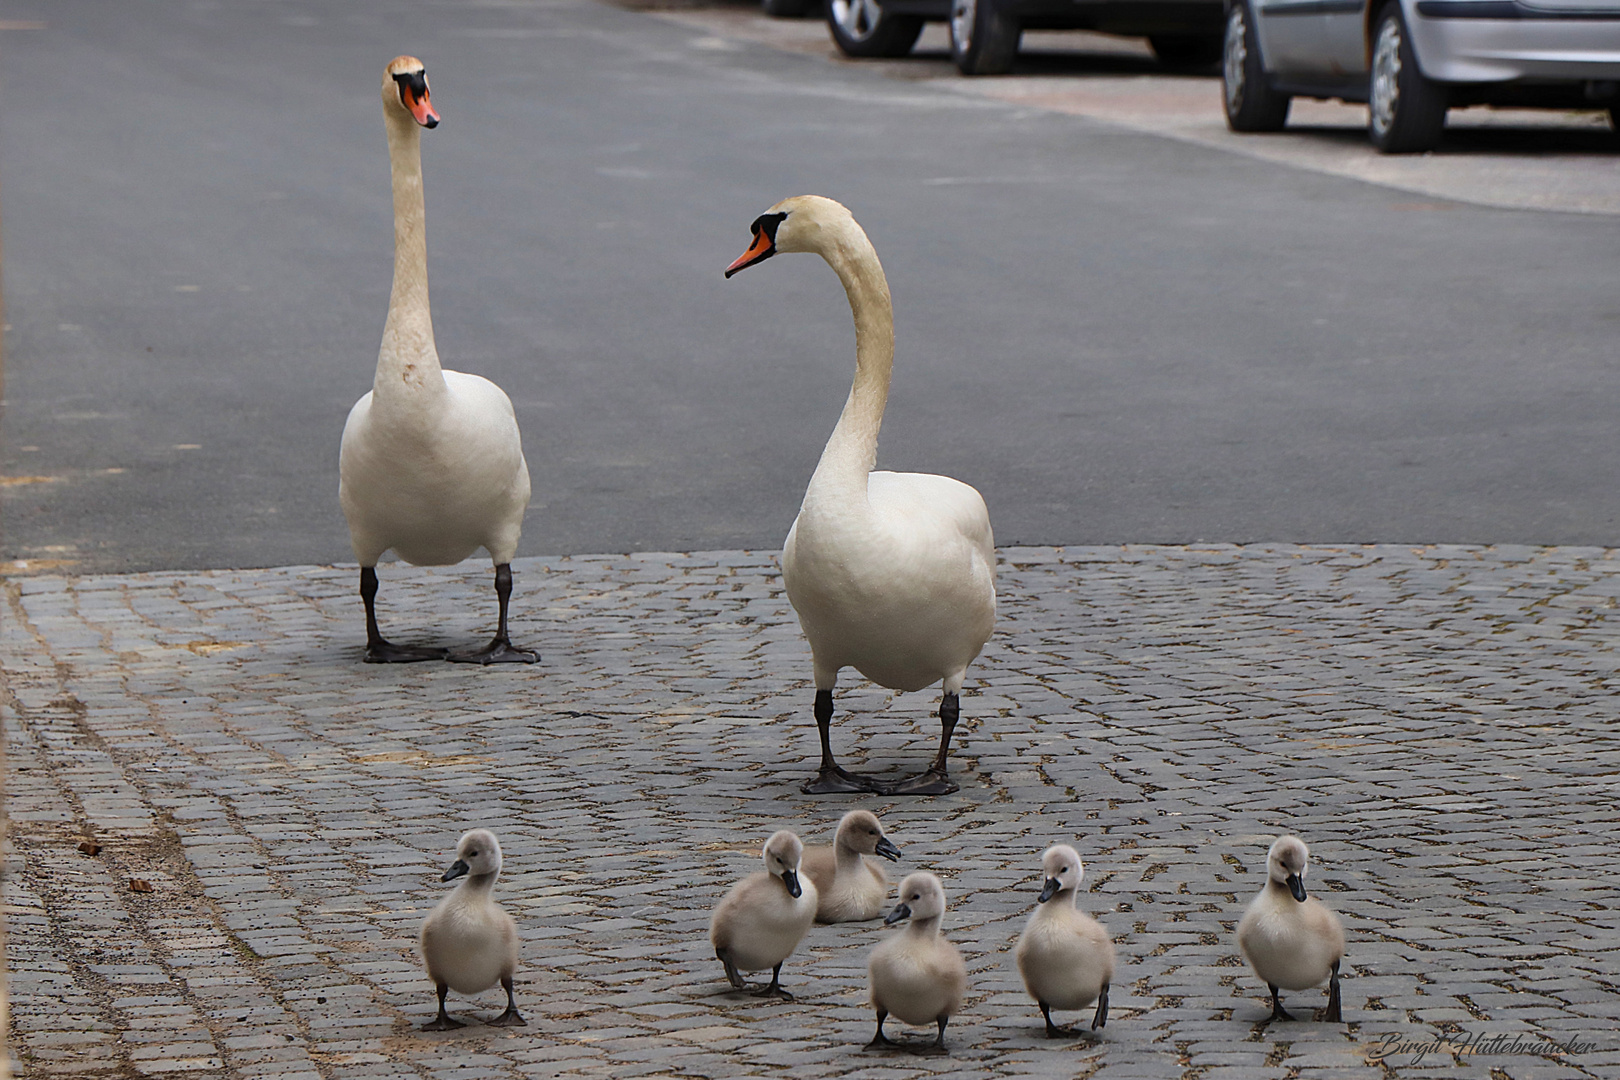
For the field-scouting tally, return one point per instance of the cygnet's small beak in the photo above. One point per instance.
(887, 850)
(899, 914)
(1297, 887)
(763, 247)
(1050, 889)
(457, 869)
(791, 880)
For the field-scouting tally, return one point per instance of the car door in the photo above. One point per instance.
(1290, 37)
(1344, 42)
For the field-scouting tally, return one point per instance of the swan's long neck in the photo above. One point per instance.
(851, 452)
(408, 362)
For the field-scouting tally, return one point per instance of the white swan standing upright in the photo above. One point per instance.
(432, 464)
(892, 574)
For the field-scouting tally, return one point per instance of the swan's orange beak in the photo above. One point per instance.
(763, 247)
(421, 107)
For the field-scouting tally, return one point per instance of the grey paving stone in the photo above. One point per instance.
(1438, 723)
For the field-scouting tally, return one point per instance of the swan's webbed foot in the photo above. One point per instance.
(834, 780)
(932, 782)
(380, 651)
(1277, 1011)
(509, 1018)
(772, 991)
(499, 651)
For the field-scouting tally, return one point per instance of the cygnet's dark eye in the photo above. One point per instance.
(1063, 870)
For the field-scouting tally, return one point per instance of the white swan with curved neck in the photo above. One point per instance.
(432, 464)
(892, 574)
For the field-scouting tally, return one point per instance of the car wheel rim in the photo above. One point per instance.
(1386, 73)
(963, 13)
(856, 18)
(1237, 53)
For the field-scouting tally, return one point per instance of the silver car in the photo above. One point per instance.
(1411, 60)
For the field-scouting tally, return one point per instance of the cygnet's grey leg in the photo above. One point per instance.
(1100, 1019)
(732, 975)
(880, 1040)
(937, 1047)
(1335, 1014)
(510, 1017)
(1052, 1030)
(935, 781)
(1277, 1011)
(833, 779)
(775, 989)
(500, 650)
(378, 650)
(442, 1022)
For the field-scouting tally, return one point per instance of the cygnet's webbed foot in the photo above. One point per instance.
(380, 651)
(880, 1041)
(509, 1018)
(1277, 1011)
(499, 651)
(835, 780)
(932, 782)
(442, 1023)
(771, 990)
(1052, 1030)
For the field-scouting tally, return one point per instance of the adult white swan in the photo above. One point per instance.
(432, 464)
(892, 574)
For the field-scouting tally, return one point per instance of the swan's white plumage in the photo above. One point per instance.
(431, 463)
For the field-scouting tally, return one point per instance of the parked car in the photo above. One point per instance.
(985, 33)
(1411, 60)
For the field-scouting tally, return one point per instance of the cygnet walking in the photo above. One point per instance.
(759, 923)
(917, 975)
(851, 887)
(1292, 942)
(1064, 955)
(468, 943)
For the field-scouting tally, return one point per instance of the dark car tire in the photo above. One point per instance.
(786, 9)
(1251, 104)
(1187, 52)
(984, 38)
(1406, 112)
(862, 28)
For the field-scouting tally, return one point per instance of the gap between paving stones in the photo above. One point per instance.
(1436, 721)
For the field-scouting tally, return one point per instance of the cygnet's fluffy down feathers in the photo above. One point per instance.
(850, 887)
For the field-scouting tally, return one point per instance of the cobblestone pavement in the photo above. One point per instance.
(1438, 723)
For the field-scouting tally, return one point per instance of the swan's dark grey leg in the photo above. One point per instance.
(1335, 1013)
(501, 649)
(833, 779)
(510, 1017)
(935, 781)
(442, 1022)
(880, 1040)
(1277, 1011)
(1100, 1019)
(937, 1047)
(379, 651)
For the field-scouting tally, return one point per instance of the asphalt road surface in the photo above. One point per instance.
(1116, 336)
